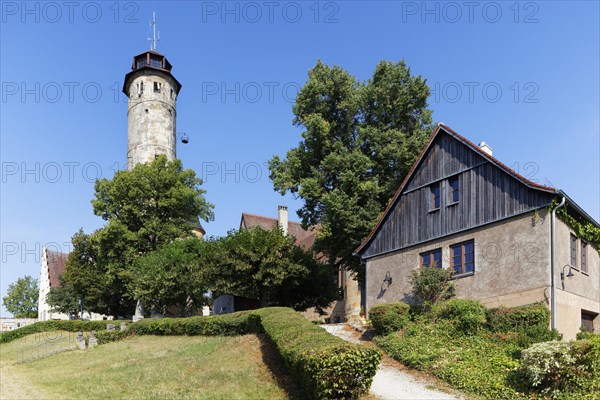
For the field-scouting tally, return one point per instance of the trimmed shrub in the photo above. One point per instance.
(467, 316)
(518, 319)
(239, 323)
(389, 317)
(324, 366)
(531, 322)
(104, 337)
(60, 325)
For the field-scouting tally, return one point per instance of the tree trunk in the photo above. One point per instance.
(264, 299)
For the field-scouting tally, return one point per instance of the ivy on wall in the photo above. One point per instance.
(582, 228)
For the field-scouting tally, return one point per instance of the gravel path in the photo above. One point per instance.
(391, 383)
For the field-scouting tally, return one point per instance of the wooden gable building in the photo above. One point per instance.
(461, 208)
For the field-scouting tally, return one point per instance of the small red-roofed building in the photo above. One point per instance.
(53, 265)
(347, 307)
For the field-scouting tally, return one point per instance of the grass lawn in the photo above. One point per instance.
(241, 367)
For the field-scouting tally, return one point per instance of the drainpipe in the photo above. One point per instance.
(553, 263)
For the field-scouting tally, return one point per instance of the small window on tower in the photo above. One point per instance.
(140, 88)
(156, 62)
(157, 87)
(171, 94)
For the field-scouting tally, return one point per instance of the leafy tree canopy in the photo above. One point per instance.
(63, 299)
(145, 208)
(359, 141)
(267, 265)
(21, 298)
(171, 276)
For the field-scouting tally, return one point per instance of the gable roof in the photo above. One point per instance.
(57, 263)
(304, 237)
(439, 130)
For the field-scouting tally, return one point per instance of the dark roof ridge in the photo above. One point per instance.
(477, 149)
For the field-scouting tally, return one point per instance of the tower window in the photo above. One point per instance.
(171, 94)
(156, 63)
(140, 88)
(157, 86)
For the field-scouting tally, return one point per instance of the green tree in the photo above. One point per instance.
(145, 208)
(359, 142)
(171, 276)
(21, 298)
(63, 299)
(267, 265)
(93, 271)
(152, 204)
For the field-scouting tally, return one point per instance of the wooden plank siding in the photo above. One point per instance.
(486, 194)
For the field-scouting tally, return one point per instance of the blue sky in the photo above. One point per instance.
(522, 76)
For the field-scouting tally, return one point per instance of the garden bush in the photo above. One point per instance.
(467, 316)
(431, 285)
(555, 368)
(551, 367)
(58, 325)
(104, 337)
(389, 317)
(531, 323)
(582, 335)
(517, 319)
(324, 366)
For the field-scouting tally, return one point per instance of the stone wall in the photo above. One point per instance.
(511, 262)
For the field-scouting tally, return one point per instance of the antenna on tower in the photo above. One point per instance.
(155, 36)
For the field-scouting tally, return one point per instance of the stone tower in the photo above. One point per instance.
(151, 113)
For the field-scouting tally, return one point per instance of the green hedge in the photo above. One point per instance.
(531, 323)
(239, 323)
(60, 325)
(389, 317)
(518, 319)
(324, 366)
(467, 316)
(104, 337)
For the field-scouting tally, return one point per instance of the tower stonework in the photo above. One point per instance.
(151, 113)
